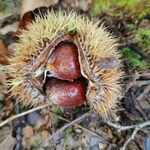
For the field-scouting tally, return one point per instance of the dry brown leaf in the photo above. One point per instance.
(27, 132)
(9, 29)
(3, 61)
(26, 18)
(3, 53)
(30, 5)
(2, 83)
(8, 143)
(4, 132)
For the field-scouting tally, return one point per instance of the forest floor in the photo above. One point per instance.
(80, 129)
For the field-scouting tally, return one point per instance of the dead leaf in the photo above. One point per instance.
(28, 6)
(10, 28)
(9, 103)
(4, 132)
(44, 134)
(26, 18)
(110, 134)
(3, 86)
(3, 61)
(8, 143)
(3, 53)
(27, 132)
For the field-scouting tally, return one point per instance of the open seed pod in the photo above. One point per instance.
(66, 59)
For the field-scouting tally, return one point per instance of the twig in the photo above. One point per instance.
(140, 74)
(22, 114)
(139, 98)
(134, 82)
(77, 125)
(119, 127)
(67, 125)
(146, 90)
(6, 17)
(142, 82)
(140, 110)
(123, 128)
(73, 123)
(130, 139)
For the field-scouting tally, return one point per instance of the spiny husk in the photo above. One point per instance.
(97, 44)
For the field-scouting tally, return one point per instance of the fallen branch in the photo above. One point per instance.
(74, 122)
(67, 125)
(138, 83)
(123, 128)
(142, 82)
(146, 90)
(119, 127)
(45, 105)
(79, 126)
(140, 74)
(6, 17)
(130, 139)
(22, 114)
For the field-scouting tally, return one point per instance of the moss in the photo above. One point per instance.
(35, 140)
(68, 135)
(100, 5)
(133, 58)
(114, 7)
(69, 131)
(127, 3)
(3, 4)
(131, 26)
(138, 120)
(56, 110)
(6, 6)
(142, 37)
(142, 33)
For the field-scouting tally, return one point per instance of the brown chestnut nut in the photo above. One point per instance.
(65, 93)
(64, 63)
